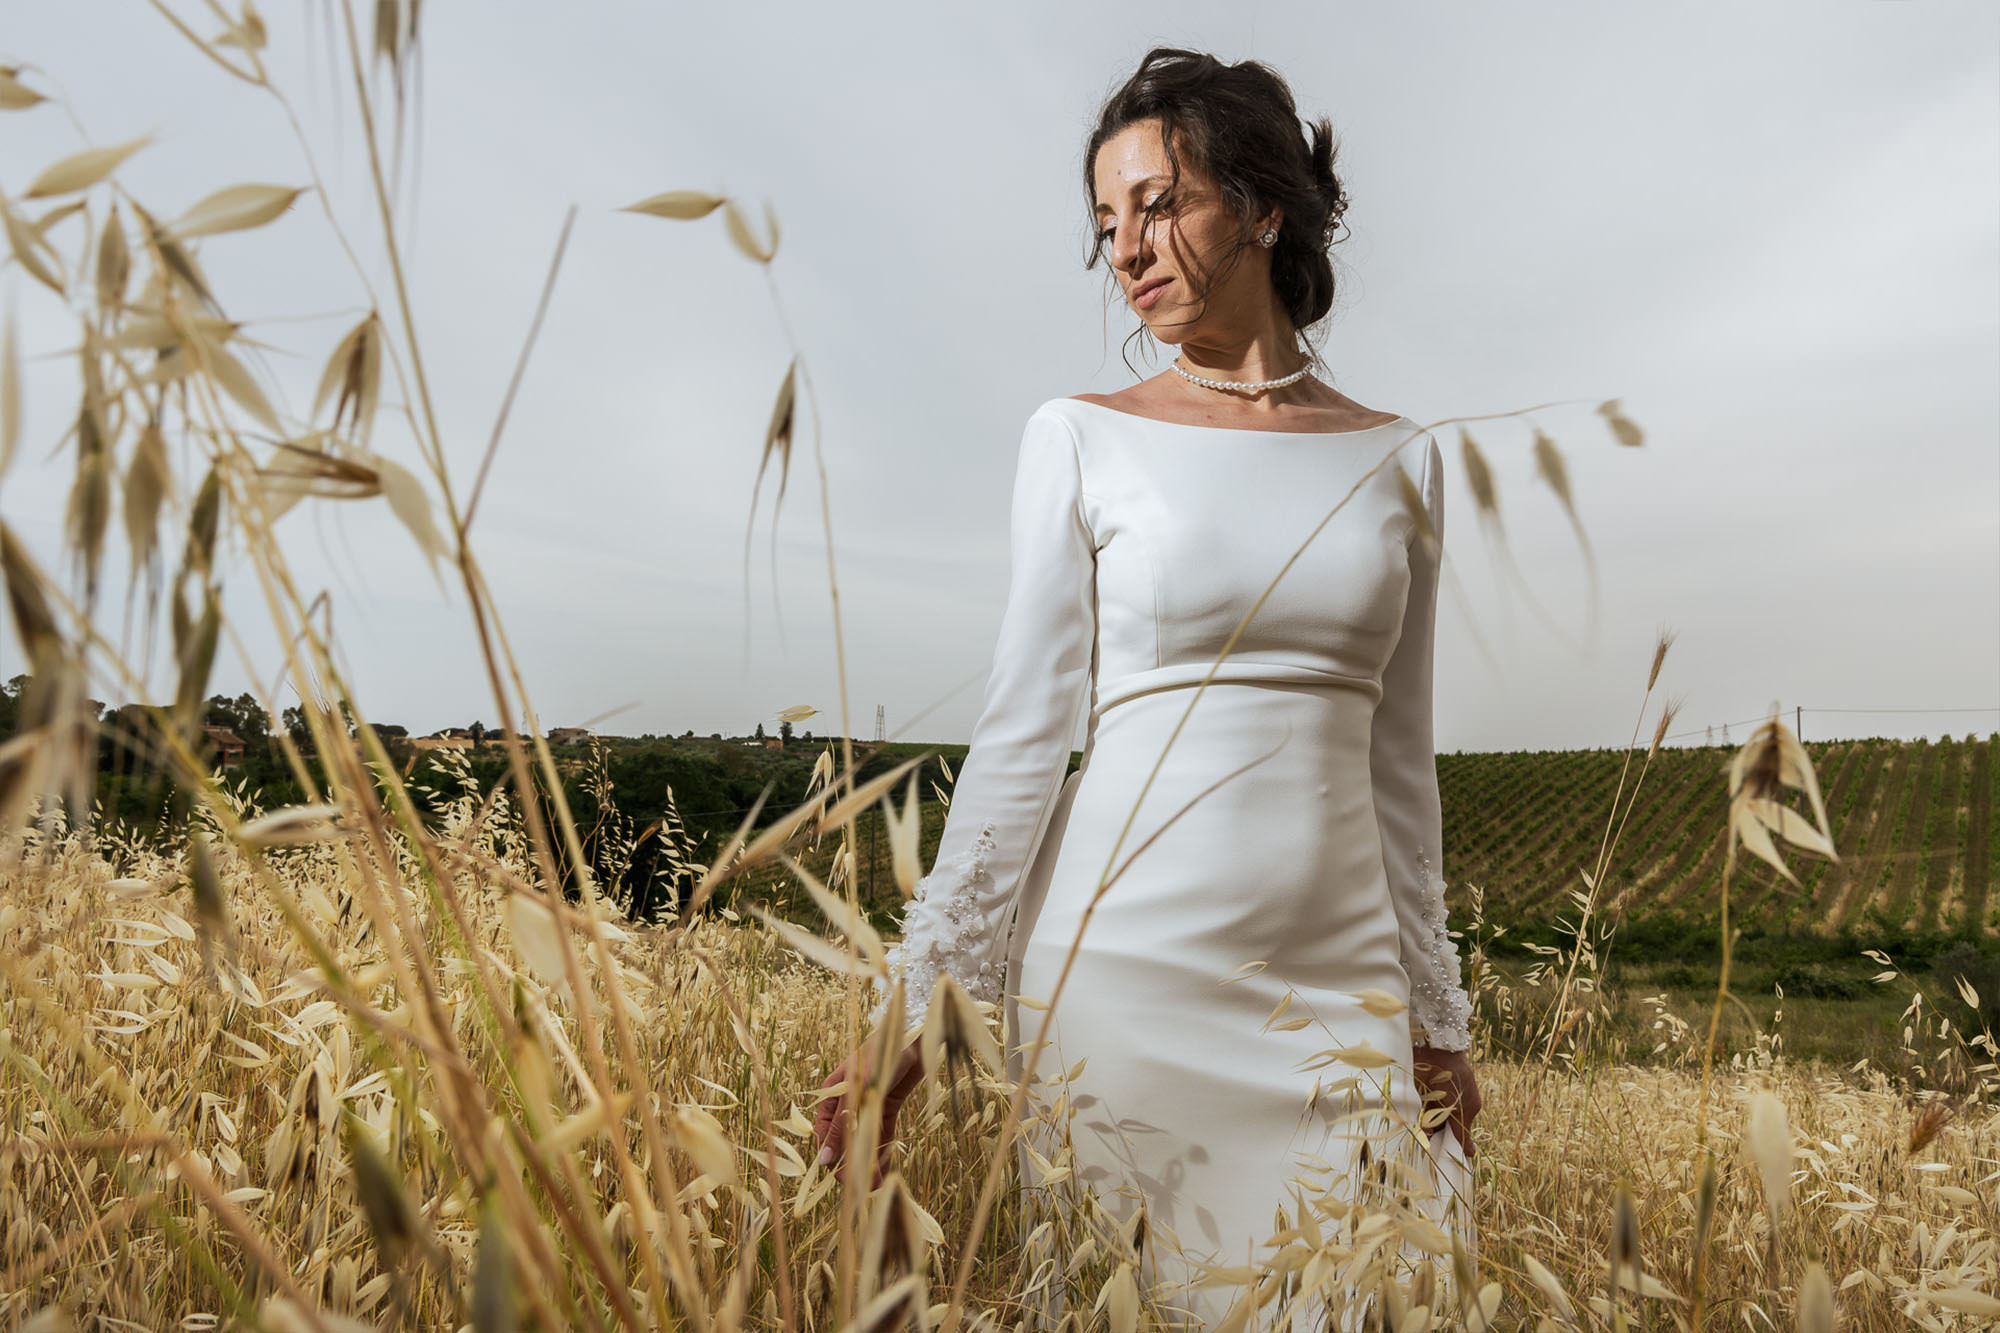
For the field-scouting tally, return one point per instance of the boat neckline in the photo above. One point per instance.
(1236, 430)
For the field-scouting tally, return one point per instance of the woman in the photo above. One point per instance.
(1289, 841)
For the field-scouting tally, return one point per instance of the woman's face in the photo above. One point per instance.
(1163, 268)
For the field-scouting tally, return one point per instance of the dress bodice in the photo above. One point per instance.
(1192, 524)
(1138, 547)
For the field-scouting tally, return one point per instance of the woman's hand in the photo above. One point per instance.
(835, 1116)
(1446, 1079)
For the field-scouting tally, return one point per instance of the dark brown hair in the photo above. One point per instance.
(1237, 125)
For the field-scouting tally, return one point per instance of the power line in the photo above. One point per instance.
(1903, 710)
(1807, 708)
(1710, 726)
(1765, 717)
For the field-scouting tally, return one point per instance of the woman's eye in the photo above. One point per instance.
(1161, 202)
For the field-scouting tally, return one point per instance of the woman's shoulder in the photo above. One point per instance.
(1065, 405)
(1086, 415)
(1139, 409)
(1068, 419)
(1133, 403)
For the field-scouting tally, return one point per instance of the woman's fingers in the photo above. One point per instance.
(830, 1142)
(882, 1152)
(829, 1121)
(838, 1159)
(1447, 1078)
(839, 1164)
(834, 1115)
(823, 1115)
(1464, 1112)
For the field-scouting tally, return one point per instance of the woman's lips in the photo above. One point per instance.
(1151, 294)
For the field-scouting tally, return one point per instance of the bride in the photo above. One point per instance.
(1254, 829)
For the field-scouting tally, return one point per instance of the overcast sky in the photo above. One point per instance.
(1772, 231)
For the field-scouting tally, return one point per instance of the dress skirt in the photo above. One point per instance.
(1245, 864)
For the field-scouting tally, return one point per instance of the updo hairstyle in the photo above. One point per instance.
(1238, 126)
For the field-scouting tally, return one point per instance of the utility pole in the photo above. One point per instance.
(1798, 722)
(881, 732)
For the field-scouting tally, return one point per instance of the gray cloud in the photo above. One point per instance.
(1770, 231)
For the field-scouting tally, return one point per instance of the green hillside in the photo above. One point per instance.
(1915, 822)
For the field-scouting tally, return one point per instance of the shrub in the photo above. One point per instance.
(1815, 981)
(1964, 961)
(1682, 977)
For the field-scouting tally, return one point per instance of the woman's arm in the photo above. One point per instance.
(959, 918)
(1403, 768)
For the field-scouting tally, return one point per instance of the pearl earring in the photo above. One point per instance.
(1269, 237)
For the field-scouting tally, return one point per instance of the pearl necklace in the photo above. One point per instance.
(1238, 384)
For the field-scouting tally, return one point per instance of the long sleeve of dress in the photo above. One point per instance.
(1403, 768)
(960, 915)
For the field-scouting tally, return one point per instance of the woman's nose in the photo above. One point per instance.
(1127, 244)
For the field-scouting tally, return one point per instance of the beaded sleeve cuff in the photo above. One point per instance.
(1437, 999)
(944, 931)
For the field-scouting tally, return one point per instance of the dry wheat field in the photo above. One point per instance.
(362, 1097)
(393, 1057)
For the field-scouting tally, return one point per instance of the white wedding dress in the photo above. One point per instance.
(1293, 822)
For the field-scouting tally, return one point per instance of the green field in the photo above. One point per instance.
(1914, 822)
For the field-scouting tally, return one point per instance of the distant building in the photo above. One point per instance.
(228, 745)
(568, 735)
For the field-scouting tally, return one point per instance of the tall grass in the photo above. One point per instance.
(349, 1065)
